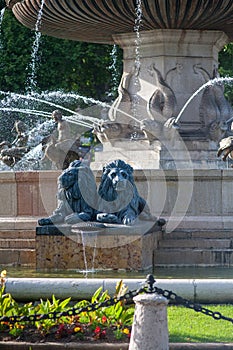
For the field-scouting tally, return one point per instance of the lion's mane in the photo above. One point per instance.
(76, 190)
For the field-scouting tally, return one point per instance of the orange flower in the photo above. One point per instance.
(104, 319)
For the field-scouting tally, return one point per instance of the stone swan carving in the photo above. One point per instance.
(215, 110)
(161, 106)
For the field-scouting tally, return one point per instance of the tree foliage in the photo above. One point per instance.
(65, 64)
(226, 68)
(61, 64)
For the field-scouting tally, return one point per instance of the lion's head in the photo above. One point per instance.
(121, 202)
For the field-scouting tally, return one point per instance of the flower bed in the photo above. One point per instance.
(101, 320)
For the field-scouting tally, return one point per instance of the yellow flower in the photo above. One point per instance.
(19, 326)
(77, 329)
(2, 278)
(125, 330)
(3, 274)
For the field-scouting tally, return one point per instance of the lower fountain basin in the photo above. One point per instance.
(87, 247)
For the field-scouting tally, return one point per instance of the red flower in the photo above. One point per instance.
(97, 330)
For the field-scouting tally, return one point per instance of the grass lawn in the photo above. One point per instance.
(186, 325)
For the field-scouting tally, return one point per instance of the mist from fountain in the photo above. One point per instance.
(1, 16)
(31, 160)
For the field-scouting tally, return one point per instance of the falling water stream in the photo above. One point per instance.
(84, 254)
(137, 28)
(137, 64)
(84, 237)
(1, 19)
(31, 81)
(113, 70)
(1, 16)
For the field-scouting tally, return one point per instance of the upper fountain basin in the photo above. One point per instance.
(98, 20)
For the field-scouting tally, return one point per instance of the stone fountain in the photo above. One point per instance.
(170, 50)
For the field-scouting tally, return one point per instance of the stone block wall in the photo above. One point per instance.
(28, 193)
(185, 197)
(102, 250)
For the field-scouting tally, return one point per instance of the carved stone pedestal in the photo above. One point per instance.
(139, 154)
(192, 154)
(102, 247)
(174, 66)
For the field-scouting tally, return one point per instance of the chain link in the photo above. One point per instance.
(128, 297)
(148, 288)
(187, 303)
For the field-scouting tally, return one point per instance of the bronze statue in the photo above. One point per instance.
(75, 183)
(60, 148)
(226, 148)
(121, 202)
(117, 200)
(11, 153)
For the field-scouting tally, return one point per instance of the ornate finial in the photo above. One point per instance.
(150, 281)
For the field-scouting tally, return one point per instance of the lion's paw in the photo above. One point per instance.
(128, 220)
(108, 218)
(45, 222)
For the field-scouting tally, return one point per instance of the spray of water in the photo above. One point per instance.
(59, 95)
(209, 83)
(31, 81)
(44, 114)
(32, 98)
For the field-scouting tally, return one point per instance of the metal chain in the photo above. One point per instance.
(181, 301)
(72, 312)
(149, 287)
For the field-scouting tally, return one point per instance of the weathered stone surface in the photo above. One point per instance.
(149, 331)
(17, 257)
(101, 250)
(8, 190)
